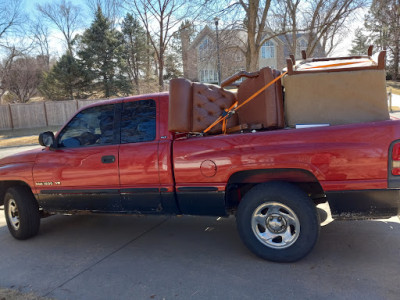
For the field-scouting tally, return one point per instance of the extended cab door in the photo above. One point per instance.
(138, 157)
(81, 173)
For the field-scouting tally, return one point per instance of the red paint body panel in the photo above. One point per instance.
(348, 157)
(25, 156)
(138, 165)
(17, 172)
(77, 168)
(18, 167)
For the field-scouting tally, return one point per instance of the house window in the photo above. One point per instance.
(204, 47)
(268, 50)
(208, 76)
(238, 56)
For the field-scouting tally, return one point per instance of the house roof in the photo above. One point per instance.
(225, 37)
(203, 33)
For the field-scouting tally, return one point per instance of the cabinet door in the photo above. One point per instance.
(138, 158)
(82, 172)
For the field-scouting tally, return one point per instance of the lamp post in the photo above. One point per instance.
(216, 19)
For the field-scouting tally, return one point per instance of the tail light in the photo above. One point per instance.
(396, 159)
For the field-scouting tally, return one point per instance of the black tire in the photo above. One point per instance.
(277, 221)
(21, 212)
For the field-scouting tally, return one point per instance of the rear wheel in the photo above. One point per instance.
(22, 213)
(278, 222)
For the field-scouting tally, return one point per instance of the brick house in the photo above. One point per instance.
(200, 56)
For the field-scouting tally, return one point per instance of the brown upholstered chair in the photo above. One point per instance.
(265, 110)
(195, 106)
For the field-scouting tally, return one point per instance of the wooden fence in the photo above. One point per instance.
(39, 114)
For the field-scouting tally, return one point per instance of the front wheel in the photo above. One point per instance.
(22, 212)
(278, 222)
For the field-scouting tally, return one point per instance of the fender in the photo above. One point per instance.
(18, 172)
(15, 174)
(17, 169)
(240, 182)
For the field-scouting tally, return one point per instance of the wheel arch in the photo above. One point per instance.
(241, 182)
(5, 185)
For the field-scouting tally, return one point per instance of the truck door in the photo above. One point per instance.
(138, 157)
(81, 173)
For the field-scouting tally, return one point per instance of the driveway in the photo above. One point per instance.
(131, 257)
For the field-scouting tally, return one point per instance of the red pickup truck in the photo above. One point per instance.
(118, 156)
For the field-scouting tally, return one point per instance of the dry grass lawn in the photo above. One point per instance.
(394, 86)
(18, 141)
(19, 137)
(6, 294)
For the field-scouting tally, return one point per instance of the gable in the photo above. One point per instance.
(206, 32)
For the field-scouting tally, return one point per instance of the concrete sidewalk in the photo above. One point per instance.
(395, 102)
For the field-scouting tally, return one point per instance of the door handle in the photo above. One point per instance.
(108, 159)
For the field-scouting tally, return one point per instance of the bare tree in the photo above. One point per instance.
(256, 18)
(40, 33)
(324, 19)
(160, 19)
(5, 69)
(289, 23)
(23, 78)
(11, 16)
(255, 25)
(320, 21)
(65, 16)
(112, 9)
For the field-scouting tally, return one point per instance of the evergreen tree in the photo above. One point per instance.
(66, 80)
(359, 44)
(383, 21)
(135, 48)
(173, 69)
(173, 58)
(101, 54)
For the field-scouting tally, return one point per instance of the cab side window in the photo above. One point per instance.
(138, 121)
(92, 126)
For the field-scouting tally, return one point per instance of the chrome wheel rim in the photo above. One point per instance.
(13, 214)
(275, 225)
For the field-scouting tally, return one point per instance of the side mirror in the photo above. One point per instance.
(47, 139)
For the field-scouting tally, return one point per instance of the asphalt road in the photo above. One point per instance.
(131, 257)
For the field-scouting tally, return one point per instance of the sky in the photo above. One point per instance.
(30, 4)
(57, 40)
(341, 50)
(345, 44)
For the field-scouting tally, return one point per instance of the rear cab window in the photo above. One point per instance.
(138, 121)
